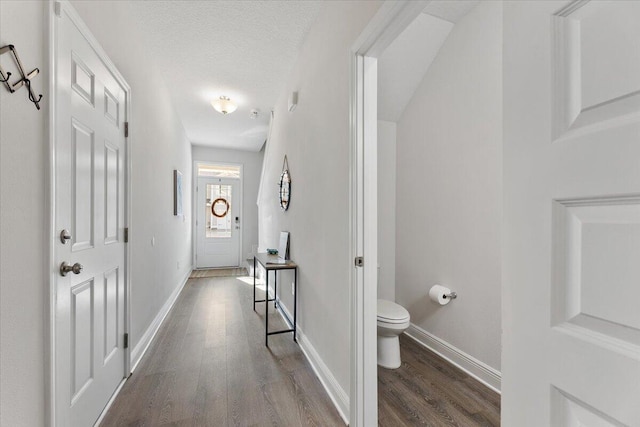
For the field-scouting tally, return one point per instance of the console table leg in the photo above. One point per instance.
(295, 302)
(266, 311)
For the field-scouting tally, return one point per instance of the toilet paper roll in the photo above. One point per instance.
(438, 293)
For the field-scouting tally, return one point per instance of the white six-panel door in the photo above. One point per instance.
(89, 167)
(571, 347)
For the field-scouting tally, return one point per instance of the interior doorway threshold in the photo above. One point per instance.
(218, 272)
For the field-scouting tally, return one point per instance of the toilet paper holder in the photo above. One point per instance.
(451, 295)
(441, 295)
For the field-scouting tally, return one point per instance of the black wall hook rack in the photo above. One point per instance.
(25, 79)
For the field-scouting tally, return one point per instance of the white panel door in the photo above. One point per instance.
(89, 202)
(218, 224)
(571, 347)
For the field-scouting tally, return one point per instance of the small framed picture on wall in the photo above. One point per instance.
(177, 192)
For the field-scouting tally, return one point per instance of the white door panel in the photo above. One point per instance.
(90, 149)
(571, 347)
(218, 237)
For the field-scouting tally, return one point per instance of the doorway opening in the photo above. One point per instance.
(218, 232)
(390, 100)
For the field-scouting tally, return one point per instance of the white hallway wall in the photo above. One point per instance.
(449, 181)
(23, 178)
(159, 145)
(315, 138)
(252, 167)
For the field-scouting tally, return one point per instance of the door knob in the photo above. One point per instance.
(66, 268)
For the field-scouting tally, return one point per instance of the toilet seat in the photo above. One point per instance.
(391, 313)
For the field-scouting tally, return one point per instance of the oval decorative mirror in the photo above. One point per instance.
(220, 207)
(284, 192)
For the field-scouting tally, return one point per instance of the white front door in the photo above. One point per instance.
(218, 223)
(571, 346)
(90, 150)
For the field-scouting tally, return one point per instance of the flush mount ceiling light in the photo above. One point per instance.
(224, 105)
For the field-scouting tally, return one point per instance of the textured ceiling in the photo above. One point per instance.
(403, 64)
(241, 49)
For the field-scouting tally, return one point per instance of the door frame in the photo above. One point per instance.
(392, 18)
(54, 10)
(194, 209)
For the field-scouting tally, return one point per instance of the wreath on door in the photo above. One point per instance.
(217, 206)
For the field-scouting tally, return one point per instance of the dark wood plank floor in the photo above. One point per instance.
(208, 366)
(428, 391)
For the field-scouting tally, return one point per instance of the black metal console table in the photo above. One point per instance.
(274, 263)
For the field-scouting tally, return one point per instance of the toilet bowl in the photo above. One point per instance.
(393, 319)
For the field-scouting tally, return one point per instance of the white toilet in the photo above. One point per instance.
(393, 319)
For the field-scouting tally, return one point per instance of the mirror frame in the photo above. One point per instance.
(284, 192)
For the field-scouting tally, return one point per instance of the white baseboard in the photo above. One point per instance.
(146, 339)
(336, 393)
(479, 370)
